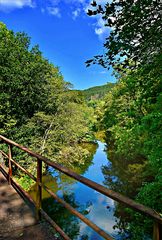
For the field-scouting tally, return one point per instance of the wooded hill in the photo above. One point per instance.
(97, 92)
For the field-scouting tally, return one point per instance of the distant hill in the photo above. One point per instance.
(97, 92)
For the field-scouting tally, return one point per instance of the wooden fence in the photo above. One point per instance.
(157, 235)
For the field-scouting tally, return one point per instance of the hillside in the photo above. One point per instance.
(97, 92)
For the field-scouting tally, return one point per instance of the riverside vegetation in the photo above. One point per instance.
(39, 110)
(131, 115)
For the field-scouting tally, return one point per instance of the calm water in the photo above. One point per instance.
(93, 205)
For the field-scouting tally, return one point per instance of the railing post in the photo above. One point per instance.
(9, 164)
(39, 189)
(156, 231)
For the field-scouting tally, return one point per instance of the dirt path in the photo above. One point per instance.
(17, 220)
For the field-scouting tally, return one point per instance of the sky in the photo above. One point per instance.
(66, 35)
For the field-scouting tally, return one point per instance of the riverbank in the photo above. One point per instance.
(93, 205)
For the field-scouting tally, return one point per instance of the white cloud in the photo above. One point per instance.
(99, 25)
(9, 5)
(55, 2)
(55, 11)
(77, 2)
(42, 10)
(76, 13)
(99, 31)
(103, 72)
(100, 28)
(52, 7)
(77, 6)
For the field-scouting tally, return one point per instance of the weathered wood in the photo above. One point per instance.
(17, 218)
(17, 187)
(107, 192)
(156, 231)
(20, 167)
(39, 189)
(58, 229)
(9, 163)
(20, 190)
(24, 170)
(79, 215)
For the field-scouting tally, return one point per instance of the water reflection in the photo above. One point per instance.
(96, 207)
(125, 177)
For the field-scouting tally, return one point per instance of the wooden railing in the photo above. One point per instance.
(99, 188)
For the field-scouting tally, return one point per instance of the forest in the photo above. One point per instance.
(41, 111)
(97, 92)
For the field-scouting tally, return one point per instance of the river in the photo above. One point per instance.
(93, 205)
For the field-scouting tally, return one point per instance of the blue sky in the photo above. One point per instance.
(66, 35)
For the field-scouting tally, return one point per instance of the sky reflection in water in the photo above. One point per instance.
(99, 209)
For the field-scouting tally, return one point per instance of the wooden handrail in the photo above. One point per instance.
(27, 196)
(20, 167)
(105, 191)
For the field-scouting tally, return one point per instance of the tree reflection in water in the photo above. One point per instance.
(124, 177)
(117, 174)
(62, 185)
(68, 222)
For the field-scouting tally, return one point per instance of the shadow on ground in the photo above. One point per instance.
(17, 219)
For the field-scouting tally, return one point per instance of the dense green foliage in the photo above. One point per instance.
(97, 92)
(132, 120)
(135, 32)
(133, 108)
(37, 107)
(24, 78)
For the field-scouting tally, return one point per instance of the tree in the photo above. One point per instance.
(132, 121)
(37, 107)
(135, 32)
(133, 107)
(26, 79)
